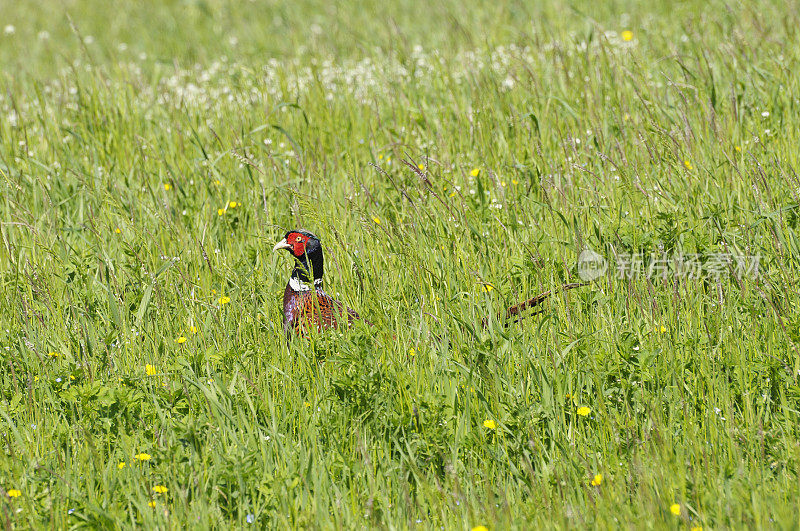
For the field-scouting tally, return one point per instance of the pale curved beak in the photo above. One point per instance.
(283, 244)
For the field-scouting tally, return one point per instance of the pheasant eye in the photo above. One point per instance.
(298, 239)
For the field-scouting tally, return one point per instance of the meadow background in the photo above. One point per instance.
(152, 152)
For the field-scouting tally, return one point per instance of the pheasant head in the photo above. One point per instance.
(306, 248)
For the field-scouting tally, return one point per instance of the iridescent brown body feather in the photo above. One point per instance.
(313, 309)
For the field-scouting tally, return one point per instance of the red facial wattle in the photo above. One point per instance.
(298, 243)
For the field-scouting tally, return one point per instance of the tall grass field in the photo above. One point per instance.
(454, 158)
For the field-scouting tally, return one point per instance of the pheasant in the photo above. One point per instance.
(307, 306)
(305, 303)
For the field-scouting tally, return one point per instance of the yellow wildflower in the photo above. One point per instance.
(675, 509)
(584, 411)
(489, 423)
(627, 35)
(118, 230)
(53, 354)
(233, 204)
(376, 220)
(514, 181)
(687, 164)
(167, 187)
(224, 300)
(14, 493)
(480, 528)
(152, 504)
(307, 404)
(181, 339)
(220, 212)
(487, 288)
(421, 167)
(662, 329)
(150, 369)
(412, 352)
(597, 480)
(121, 465)
(160, 489)
(193, 329)
(142, 457)
(738, 149)
(697, 528)
(475, 172)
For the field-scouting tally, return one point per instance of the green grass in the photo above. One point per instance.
(118, 164)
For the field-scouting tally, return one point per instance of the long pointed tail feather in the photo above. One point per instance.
(516, 313)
